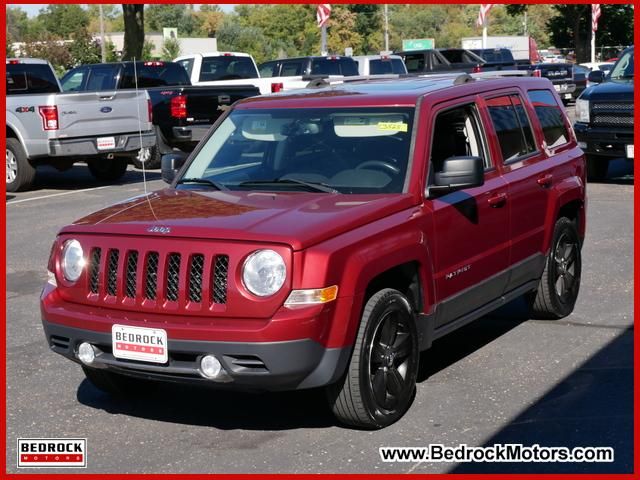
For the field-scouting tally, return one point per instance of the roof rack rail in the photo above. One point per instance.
(320, 81)
(502, 73)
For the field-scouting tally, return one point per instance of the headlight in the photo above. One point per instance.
(582, 111)
(264, 272)
(72, 260)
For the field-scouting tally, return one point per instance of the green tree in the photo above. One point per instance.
(52, 48)
(171, 49)
(63, 19)
(9, 51)
(112, 54)
(147, 51)
(159, 16)
(84, 49)
(17, 22)
(134, 43)
(368, 26)
(342, 31)
(232, 36)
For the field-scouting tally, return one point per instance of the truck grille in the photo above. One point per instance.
(613, 114)
(161, 275)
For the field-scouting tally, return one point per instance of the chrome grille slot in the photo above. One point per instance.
(94, 270)
(112, 272)
(173, 275)
(195, 278)
(132, 270)
(151, 276)
(220, 272)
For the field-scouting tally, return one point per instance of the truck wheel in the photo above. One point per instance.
(108, 170)
(380, 381)
(558, 289)
(20, 172)
(597, 168)
(150, 156)
(116, 384)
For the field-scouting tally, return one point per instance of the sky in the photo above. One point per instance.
(33, 9)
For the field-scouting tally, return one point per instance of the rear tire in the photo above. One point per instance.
(115, 384)
(597, 168)
(560, 283)
(20, 172)
(152, 162)
(108, 170)
(380, 381)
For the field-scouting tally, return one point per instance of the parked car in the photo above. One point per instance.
(182, 114)
(324, 239)
(434, 61)
(45, 126)
(298, 72)
(553, 58)
(560, 74)
(580, 79)
(496, 59)
(380, 65)
(604, 117)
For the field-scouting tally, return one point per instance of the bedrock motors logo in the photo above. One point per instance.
(52, 452)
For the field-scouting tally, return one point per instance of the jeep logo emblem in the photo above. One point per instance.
(156, 229)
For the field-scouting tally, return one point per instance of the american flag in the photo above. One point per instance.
(595, 15)
(482, 14)
(322, 14)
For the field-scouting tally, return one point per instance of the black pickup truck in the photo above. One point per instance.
(604, 117)
(182, 113)
(560, 74)
(441, 60)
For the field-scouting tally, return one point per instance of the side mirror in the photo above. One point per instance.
(171, 163)
(458, 173)
(596, 76)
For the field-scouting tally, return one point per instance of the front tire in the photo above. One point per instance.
(380, 382)
(108, 170)
(597, 168)
(20, 172)
(560, 283)
(115, 384)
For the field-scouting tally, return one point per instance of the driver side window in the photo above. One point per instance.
(457, 132)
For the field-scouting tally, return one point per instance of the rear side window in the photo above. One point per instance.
(30, 78)
(187, 64)
(382, 66)
(102, 77)
(512, 126)
(414, 62)
(157, 74)
(268, 69)
(227, 67)
(550, 116)
(292, 68)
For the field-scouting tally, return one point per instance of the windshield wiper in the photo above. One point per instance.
(202, 181)
(317, 187)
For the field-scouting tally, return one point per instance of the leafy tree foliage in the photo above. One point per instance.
(170, 49)
(159, 16)
(84, 49)
(64, 20)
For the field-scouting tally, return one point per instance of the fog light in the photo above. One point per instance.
(86, 353)
(210, 367)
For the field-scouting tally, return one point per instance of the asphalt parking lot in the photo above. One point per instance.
(503, 379)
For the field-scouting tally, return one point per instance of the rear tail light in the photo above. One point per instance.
(226, 55)
(49, 116)
(537, 73)
(476, 69)
(276, 87)
(14, 62)
(179, 107)
(153, 64)
(150, 110)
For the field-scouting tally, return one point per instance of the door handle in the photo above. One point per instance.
(498, 200)
(545, 180)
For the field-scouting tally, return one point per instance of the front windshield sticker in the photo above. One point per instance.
(393, 126)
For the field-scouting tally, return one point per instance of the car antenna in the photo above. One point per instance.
(142, 161)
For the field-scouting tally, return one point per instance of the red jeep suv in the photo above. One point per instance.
(325, 238)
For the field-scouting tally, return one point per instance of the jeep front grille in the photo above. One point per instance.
(162, 276)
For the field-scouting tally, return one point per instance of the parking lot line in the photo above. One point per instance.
(57, 194)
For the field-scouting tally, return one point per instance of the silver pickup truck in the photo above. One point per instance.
(45, 126)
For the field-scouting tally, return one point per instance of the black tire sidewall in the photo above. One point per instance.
(564, 226)
(25, 173)
(392, 301)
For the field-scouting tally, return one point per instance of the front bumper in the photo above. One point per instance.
(604, 141)
(87, 146)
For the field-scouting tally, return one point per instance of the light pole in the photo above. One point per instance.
(386, 27)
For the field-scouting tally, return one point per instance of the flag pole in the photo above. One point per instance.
(484, 33)
(323, 35)
(593, 38)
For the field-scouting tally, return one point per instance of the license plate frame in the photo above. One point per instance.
(106, 143)
(135, 343)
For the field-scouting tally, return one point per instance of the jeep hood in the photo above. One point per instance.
(295, 219)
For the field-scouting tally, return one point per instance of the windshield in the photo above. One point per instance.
(363, 150)
(623, 69)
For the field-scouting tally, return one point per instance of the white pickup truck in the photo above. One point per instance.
(236, 68)
(45, 126)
